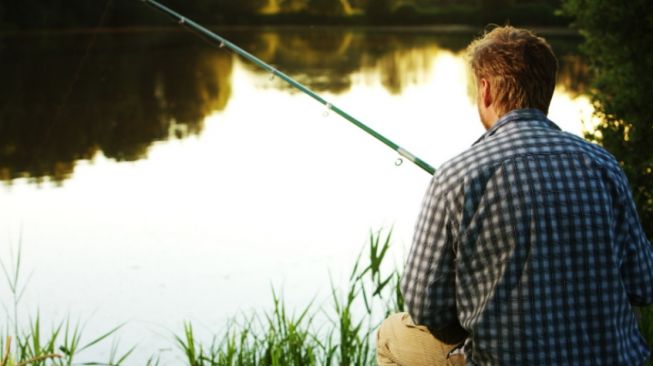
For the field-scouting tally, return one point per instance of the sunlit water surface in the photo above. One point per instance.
(274, 191)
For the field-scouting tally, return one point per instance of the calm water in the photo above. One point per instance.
(152, 178)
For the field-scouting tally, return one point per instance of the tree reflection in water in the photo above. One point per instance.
(129, 91)
(133, 89)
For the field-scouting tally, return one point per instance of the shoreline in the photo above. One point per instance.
(556, 31)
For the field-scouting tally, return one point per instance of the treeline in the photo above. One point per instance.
(40, 14)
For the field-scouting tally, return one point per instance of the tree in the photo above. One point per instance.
(619, 45)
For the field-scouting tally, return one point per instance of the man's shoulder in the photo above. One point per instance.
(591, 151)
(484, 157)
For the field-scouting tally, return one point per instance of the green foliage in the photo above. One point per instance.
(277, 338)
(58, 346)
(30, 14)
(343, 336)
(34, 345)
(646, 326)
(619, 45)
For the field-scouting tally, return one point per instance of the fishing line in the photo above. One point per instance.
(224, 43)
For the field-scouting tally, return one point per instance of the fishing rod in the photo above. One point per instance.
(225, 43)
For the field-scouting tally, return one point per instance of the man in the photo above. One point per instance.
(528, 249)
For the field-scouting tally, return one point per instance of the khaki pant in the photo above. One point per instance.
(402, 343)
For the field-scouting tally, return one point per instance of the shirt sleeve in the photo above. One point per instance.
(637, 265)
(428, 283)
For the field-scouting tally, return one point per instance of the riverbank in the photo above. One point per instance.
(445, 29)
(135, 14)
(409, 15)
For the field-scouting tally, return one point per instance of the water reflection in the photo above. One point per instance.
(67, 98)
(324, 59)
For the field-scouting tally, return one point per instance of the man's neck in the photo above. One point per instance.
(489, 117)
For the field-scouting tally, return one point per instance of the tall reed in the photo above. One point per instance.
(31, 344)
(342, 335)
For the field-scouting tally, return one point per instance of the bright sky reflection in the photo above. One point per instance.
(271, 193)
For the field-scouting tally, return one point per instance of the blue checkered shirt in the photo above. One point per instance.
(529, 246)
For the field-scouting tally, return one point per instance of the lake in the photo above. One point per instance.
(152, 178)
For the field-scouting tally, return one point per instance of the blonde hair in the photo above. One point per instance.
(520, 67)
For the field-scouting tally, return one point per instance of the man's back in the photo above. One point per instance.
(528, 248)
(532, 238)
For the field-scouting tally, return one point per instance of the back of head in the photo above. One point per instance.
(519, 65)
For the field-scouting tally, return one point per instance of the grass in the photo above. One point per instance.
(340, 334)
(34, 345)
(312, 336)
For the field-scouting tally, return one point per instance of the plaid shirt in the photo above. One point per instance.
(529, 242)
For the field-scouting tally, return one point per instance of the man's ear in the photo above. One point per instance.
(486, 93)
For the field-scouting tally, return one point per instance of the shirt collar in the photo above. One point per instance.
(530, 114)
